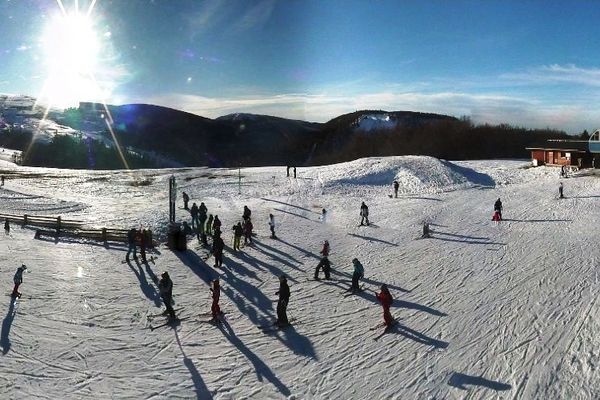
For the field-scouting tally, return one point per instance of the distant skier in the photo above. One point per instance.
(238, 231)
(282, 303)
(194, 212)
(324, 216)
(247, 213)
(248, 231)
(560, 191)
(364, 213)
(396, 186)
(498, 207)
(6, 226)
(326, 266)
(325, 250)
(386, 300)
(272, 226)
(426, 231)
(357, 275)
(186, 200)
(217, 250)
(214, 308)
(209, 223)
(216, 226)
(202, 210)
(18, 279)
(563, 172)
(131, 236)
(496, 217)
(165, 287)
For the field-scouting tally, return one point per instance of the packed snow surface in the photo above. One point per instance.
(485, 311)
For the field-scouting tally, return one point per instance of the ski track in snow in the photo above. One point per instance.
(504, 311)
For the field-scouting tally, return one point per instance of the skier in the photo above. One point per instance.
(209, 223)
(214, 308)
(324, 216)
(194, 212)
(18, 279)
(248, 231)
(325, 250)
(357, 275)
(238, 231)
(217, 249)
(426, 231)
(282, 303)
(560, 191)
(272, 226)
(202, 210)
(364, 213)
(186, 200)
(247, 213)
(326, 265)
(131, 237)
(385, 298)
(563, 171)
(396, 186)
(498, 207)
(496, 217)
(6, 227)
(165, 287)
(216, 226)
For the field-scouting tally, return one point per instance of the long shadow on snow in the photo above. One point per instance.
(371, 281)
(6, 325)
(417, 336)
(253, 262)
(369, 238)
(420, 198)
(306, 252)
(472, 176)
(274, 250)
(202, 391)
(460, 381)
(148, 289)
(537, 220)
(370, 295)
(262, 370)
(464, 239)
(296, 215)
(197, 265)
(291, 205)
(269, 251)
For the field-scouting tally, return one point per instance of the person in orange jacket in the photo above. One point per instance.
(386, 300)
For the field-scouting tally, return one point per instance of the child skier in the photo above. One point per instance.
(426, 231)
(165, 287)
(396, 186)
(498, 207)
(325, 250)
(560, 191)
(214, 308)
(358, 274)
(364, 214)
(282, 303)
(385, 298)
(18, 279)
(496, 217)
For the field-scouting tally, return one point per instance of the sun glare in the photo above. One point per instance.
(71, 48)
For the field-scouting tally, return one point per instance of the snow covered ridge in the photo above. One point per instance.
(371, 122)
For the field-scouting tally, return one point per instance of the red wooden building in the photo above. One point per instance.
(564, 152)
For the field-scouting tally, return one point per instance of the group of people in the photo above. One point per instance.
(141, 236)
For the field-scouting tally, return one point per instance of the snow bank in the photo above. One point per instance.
(371, 122)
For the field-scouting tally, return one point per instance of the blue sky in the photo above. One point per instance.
(528, 63)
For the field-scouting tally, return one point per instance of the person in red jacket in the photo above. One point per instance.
(385, 298)
(216, 293)
(325, 250)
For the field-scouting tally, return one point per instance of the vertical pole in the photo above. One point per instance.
(240, 179)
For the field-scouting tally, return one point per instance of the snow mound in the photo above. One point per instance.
(415, 174)
(371, 122)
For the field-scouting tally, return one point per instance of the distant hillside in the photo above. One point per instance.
(154, 136)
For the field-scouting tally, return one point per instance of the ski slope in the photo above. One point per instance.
(484, 311)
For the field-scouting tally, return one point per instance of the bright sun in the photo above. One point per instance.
(71, 49)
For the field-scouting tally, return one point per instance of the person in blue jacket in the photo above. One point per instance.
(359, 272)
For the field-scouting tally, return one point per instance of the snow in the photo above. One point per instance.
(373, 122)
(484, 311)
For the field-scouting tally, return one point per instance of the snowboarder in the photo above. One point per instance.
(238, 231)
(131, 237)
(6, 226)
(498, 207)
(386, 300)
(18, 279)
(209, 223)
(396, 186)
(272, 226)
(186, 200)
(426, 231)
(165, 287)
(214, 308)
(325, 250)
(364, 213)
(194, 212)
(357, 275)
(217, 250)
(326, 265)
(247, 213)
(248, 231)
(282, 303)
(216, 226)
(560, 191)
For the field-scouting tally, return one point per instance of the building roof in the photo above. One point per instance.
(562, 145)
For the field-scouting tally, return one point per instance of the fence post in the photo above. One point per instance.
(58, 224)
(25, 219)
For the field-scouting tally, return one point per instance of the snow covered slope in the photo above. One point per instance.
(484, 311)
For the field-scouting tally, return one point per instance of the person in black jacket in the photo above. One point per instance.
(498, 207)
(284, 298)
(217, 250)
(165, 287)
